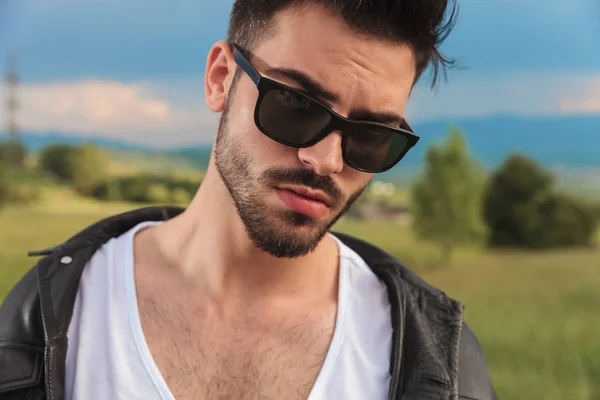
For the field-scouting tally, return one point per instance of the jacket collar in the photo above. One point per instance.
(414, 305)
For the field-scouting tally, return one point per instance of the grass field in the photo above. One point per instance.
(536, 314)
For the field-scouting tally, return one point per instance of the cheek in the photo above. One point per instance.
(353, 181)
(243, 103)
(242, 122)
(264, 151)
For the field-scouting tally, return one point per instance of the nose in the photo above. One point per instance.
(324, 157)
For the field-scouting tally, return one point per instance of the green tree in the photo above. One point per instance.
(513, 197)
(4, 186)
(447, 196)
(56, 160)
(158, 193)
(113, 191)
(181, 197)
(13, 153)
(522, 209)
(135, 188)
(564, 222)
(90, 168)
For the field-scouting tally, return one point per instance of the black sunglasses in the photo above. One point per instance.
(294, 119)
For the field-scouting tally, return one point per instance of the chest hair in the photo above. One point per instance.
(202, 357)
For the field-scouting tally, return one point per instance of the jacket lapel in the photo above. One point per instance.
(427, 328)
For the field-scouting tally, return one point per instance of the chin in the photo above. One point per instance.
(300, 220)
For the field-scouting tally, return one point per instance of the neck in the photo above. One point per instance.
(209, 248)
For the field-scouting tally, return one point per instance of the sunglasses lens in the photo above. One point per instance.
(374, 148)
(296, 120)
(291, 117)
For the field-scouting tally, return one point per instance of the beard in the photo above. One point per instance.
(286, 234)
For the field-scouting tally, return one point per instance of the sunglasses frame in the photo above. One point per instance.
(337, 122)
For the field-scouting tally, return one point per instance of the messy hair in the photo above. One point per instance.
(421, 24)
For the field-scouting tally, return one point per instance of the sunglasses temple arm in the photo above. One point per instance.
(245, 65)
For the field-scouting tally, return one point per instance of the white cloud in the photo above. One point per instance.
(174, 114)
(519, 94)
(136, 112)
(587, 101)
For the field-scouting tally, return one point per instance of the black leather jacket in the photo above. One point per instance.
(435, 355)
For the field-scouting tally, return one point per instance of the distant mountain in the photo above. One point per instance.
(572, 141)
(36, 141)
(562, 142)
(198, 156)
(567, 142)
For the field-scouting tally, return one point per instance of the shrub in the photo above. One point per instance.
(20, 187)
(90, 165)
(57, 161)
(181, 197)
(596, 210)
(113, 191)
(4, 186)
(146, 189)
(563, 222)
(135, 189)
(158, 193)
(521, 209)
(13, 153)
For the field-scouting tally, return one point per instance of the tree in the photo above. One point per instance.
(13, 153)
(181, 197)
(512, 199)
(522, 209)
(564, 222)
(4, 186)
(90, 167)
(447, 196)
(56, 160)
(158, 193)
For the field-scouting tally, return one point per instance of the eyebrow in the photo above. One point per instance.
(316, 89)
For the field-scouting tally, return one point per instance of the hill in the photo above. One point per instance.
(564, 143)
(36, 141)
(568, 145)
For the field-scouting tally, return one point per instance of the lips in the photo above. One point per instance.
(308, 193)
(304, 201)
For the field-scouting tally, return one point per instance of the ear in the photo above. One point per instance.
(220, 70)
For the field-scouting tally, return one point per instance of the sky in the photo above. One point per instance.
(134, 70)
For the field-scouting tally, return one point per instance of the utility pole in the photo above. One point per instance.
(13, 152)
(12, 104)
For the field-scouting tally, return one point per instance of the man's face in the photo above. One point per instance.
(265, 178)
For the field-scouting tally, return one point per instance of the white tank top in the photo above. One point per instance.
(108, 357)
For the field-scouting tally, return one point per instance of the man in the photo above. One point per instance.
(245, 294)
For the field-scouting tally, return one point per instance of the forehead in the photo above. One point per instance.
(364, 72)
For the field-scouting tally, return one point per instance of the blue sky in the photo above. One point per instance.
(133, 69)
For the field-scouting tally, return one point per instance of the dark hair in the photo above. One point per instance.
(421, 24)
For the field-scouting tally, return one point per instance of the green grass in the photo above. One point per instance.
(131, 163)
(535, 314)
